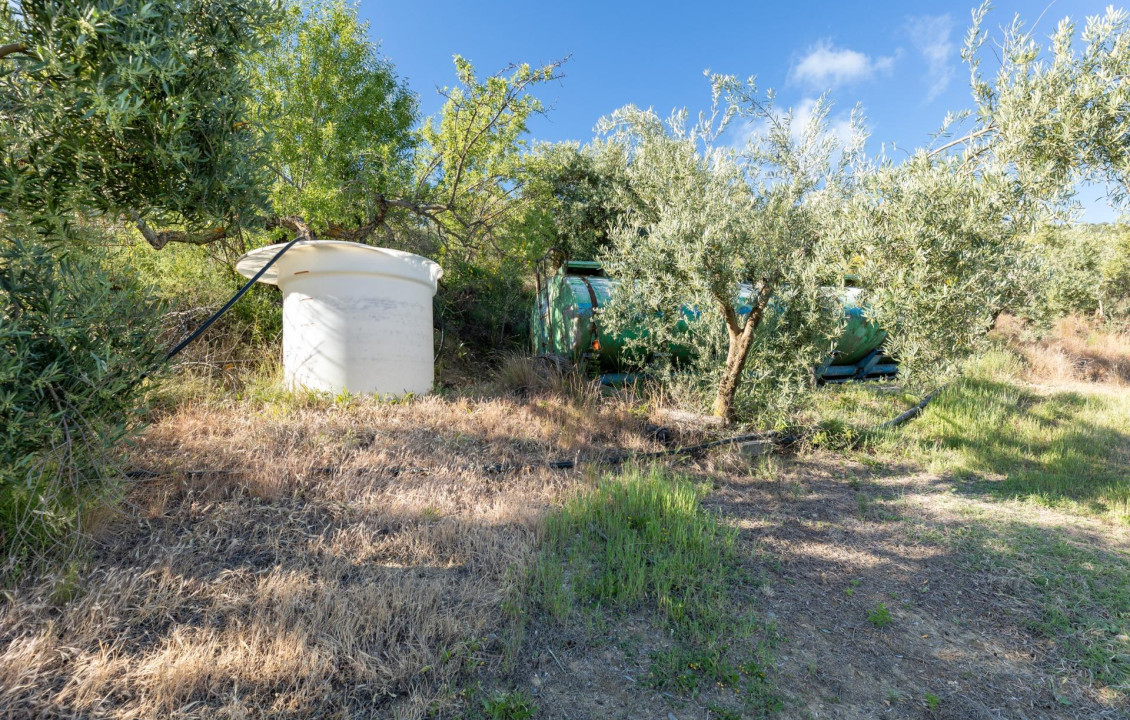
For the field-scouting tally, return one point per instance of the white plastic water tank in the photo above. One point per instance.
(355, 317)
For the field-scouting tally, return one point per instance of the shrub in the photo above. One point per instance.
(1086, 271)
(192, 282)
(76, 339)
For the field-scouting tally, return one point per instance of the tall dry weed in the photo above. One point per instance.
(1079, 351)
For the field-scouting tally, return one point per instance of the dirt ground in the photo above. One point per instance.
(824, 559)
(327, 561)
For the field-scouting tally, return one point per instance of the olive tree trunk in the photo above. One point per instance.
(741, 340)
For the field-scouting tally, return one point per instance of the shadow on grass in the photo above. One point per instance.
(1063, 449)
(991, 614)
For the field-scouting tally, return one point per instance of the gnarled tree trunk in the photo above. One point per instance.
(741, 339)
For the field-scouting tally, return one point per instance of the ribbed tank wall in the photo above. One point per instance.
(355, 318)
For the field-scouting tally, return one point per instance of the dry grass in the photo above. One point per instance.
(1074, 351)
(301, 558)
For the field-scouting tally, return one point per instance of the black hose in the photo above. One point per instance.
(227, 306)
(216, 315)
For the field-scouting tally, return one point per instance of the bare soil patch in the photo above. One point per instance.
(830, 541)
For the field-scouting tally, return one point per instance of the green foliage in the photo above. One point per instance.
(574, 197)
(485, 304)
(879, 616)
(933, 702)
(937, 239)
(515, 705)
(194, 281)
(76, 340)
(1084, 270)
(1057, 114)
(939, 243)
(338, 120)
(468, 168)
(709, 224)
(123, 106)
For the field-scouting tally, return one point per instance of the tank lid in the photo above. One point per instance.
(583, 267)
(332, 255)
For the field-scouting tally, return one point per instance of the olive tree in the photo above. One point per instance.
(937, 239)
(573, 196)
(944, 236)
(130, 106)
(709, 224)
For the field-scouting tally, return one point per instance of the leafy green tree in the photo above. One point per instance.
(123, 107)
(468, 171)
(1083, 269)
(108, 109)
(339, 122)
(940, 245)
(943, 235)
(937, 239)
(574, 196)
(1054, 115)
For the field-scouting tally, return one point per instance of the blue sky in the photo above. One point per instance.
(899, 60)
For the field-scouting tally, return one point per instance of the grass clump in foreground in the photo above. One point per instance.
(641, 541)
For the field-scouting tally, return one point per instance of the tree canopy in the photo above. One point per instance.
(938, 239)
(131, 107)
(338, 122)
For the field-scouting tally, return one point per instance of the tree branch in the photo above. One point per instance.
(12, 48)
(963, 140)
(293, 223)
(160, 238)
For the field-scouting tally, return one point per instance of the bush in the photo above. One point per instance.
(76, 339)
(1086, 272)
(484, 308)
(193, 282)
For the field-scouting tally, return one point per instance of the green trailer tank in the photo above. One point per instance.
(563, 323)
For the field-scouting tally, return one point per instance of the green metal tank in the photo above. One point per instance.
(563, 323)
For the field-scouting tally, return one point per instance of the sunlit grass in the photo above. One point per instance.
(641, 542)
(1064, 449)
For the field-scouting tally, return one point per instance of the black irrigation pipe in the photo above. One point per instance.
(911, 413)
(216, 315)
(776, 438)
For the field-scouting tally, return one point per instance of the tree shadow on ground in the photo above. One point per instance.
(988, 617)
(1046, 448)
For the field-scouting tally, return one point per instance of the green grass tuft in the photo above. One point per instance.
(641, 541)
(1068, 450)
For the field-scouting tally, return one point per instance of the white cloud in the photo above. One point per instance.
(825, 66)
(930, 35)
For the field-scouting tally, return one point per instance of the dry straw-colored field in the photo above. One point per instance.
(300, 559)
